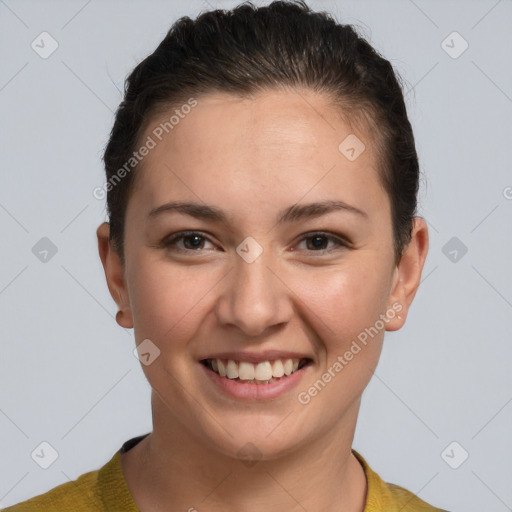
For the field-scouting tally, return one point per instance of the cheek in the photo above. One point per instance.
(346, 299)
(164, 299)
(343, 308)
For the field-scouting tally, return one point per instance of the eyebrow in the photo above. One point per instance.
(293, 213)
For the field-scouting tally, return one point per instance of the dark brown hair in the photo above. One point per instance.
(251, 49)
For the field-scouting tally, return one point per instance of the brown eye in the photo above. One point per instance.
(192, 241)
(185, 241)
(319, 242)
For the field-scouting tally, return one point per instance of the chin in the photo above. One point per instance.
(257, 439)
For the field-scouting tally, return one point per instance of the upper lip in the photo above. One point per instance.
(256, 357)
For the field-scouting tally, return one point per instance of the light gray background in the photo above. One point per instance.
(68, 374)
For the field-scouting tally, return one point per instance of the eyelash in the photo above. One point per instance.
(170, 242)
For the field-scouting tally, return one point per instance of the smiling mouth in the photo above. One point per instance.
(264, 372)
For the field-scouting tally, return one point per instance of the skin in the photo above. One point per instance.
(252, 158)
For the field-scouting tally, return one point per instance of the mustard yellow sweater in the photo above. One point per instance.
(105, 490)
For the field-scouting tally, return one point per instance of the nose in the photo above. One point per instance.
(255, 299)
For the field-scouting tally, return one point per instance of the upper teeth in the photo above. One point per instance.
(244, 370)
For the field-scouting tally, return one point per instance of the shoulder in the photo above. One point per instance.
(96, 491)
(80, 495)
(383, 496)
(93, 491)
(409, 502)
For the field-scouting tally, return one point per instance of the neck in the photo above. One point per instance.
(170, 466)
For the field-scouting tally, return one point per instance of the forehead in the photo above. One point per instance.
(293, 141)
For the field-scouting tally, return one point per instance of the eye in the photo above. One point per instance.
(192, 241)
(318, 242)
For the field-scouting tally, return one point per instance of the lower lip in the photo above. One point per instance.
(246, 391)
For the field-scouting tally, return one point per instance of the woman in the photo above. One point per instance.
(262, 237)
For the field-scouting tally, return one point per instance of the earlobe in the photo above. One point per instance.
(114, 274)
(407, 275)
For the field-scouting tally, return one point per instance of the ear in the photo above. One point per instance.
(407, 274)
(114, 273)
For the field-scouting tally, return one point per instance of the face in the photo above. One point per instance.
(281, 260)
